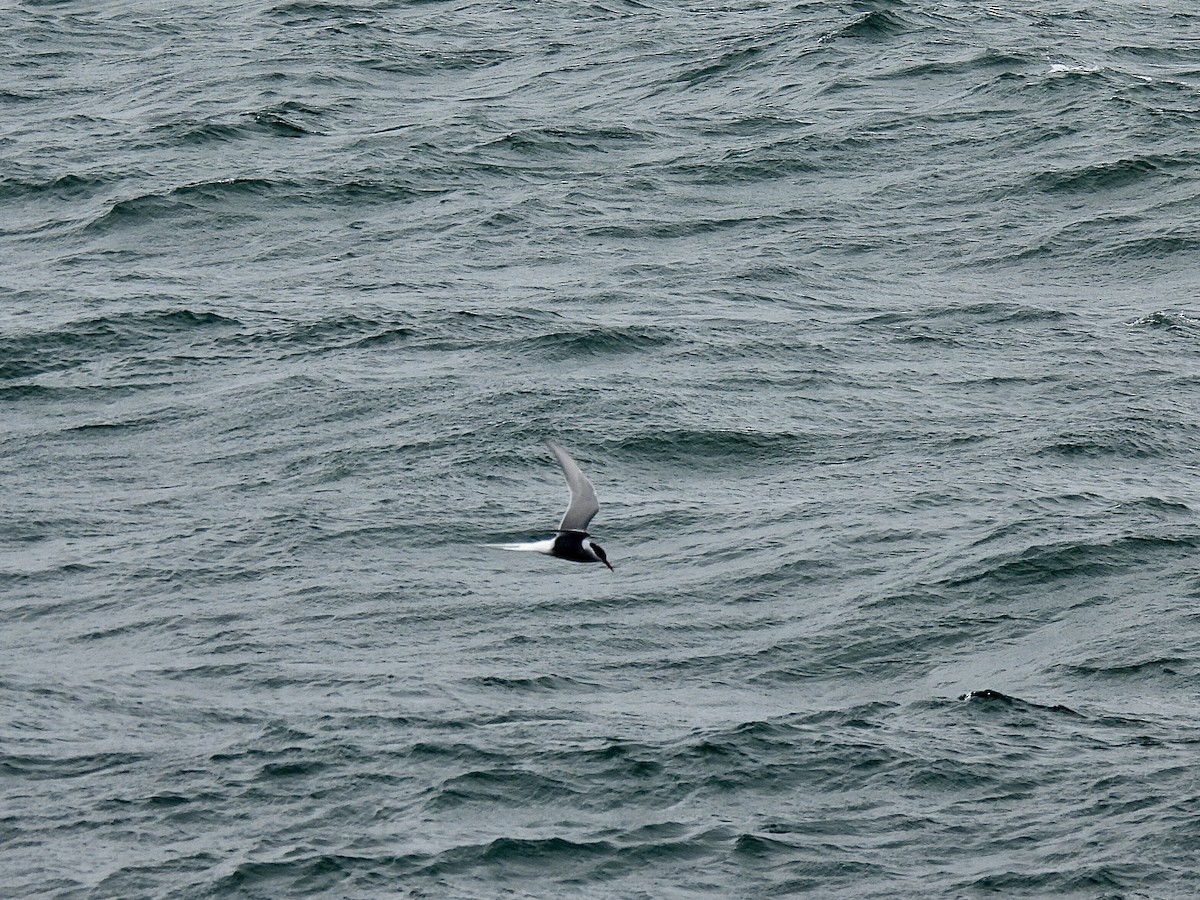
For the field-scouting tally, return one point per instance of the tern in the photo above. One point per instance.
(572, 540)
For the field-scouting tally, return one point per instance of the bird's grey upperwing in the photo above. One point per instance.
(584, 504)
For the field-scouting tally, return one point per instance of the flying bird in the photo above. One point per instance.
(572, 540)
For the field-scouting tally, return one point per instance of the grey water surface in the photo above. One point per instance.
(875, 324)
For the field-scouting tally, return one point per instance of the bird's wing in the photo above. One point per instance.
(584, 504)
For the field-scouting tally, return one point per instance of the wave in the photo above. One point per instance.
(594, 859)
(32, 353)
(199, 133)
(40, 768)
(980, 61)
(539, 684)
(597, 341)
(288, 120)
(727, 63)
(1153, 667)
(421, 62)
(1179, 323)
(970, 313)
(710, 445)
(778, 159)
(67, 187)
(560, 139)
(876, 25)
(151, 207)
(339, 331)
(1162, 244)
(501, 787)
(1045, 563)
(988, 698)
(1113, 174)
(1138, 438)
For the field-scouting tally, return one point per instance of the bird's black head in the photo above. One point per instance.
(599, 551)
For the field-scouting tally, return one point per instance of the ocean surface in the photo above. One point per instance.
(875, 324)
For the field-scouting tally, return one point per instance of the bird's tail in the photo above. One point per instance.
(531, 546)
